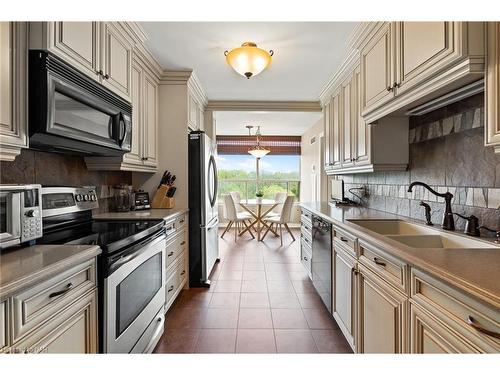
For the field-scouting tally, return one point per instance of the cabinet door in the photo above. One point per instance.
(335, 130)
(136, 97)
(72, 331)
(348, 122)
(362, 129)
(201, 118)
(382, 319)
(150, 121)
(192, 113)
(423, 49)
(377, 69)
(326, 119)
(77, 43)
(429, 336)
(13, 89)
(344, 296)
(116, 60)
(492, 100)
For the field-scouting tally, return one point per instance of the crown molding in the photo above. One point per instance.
(135, 30)
(350, 61)
(175, 77)
(251, 105)
(196, 89)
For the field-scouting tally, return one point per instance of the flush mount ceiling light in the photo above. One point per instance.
(248, 60)
(257, 151)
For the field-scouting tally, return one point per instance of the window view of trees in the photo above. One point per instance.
(276, 173)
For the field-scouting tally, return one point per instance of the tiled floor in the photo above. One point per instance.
(261, 301)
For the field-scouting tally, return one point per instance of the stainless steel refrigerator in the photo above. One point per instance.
(203, 210)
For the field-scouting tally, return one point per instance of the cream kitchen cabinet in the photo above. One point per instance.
(195, 112)
(344, 293)
(444, 319)
(354, 146)
(492, 92)
(382, 315)
(404, 64)
(13, 89)
(377, 68)
(101, 50)
(143, 156)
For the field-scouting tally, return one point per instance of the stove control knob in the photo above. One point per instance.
(93, 197)
(78, 197)
(86, 197)
(31, 213)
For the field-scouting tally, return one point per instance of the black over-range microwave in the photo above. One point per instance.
(72, 113)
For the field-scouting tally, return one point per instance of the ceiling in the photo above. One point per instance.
(306, 54)
(271, 123)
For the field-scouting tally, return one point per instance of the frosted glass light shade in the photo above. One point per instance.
(249, 60)
(258, 152)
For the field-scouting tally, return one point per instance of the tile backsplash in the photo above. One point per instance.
(45, 168)
(447, 152)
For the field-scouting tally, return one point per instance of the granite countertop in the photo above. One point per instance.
(154, 213)
(473, 270)
(21, 267)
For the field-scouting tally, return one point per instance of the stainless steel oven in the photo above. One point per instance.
(20, 214)
(134, 294)
(72, 113)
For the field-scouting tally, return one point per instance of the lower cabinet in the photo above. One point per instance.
(72, 331)
(382, 316)
(344, 293)
(430, 336)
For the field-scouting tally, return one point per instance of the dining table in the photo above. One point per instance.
(263, 207)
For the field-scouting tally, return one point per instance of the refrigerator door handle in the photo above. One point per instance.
(212, 180)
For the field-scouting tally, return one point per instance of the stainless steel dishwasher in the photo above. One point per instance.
(322, 259)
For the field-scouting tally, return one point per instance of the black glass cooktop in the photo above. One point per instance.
(111, 236)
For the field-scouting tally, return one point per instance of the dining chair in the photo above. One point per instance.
(282, 220)
(237, 198)
(279, 198)
(234, 217)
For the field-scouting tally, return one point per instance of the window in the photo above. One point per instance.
(271, 174)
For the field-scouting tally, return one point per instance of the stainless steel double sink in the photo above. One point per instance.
(421, 236)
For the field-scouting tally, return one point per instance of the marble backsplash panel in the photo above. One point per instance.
(45, 168)
(447, 152)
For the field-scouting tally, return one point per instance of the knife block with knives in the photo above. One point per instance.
(164, 196)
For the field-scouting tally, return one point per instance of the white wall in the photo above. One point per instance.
(311, 168)
(172, 144)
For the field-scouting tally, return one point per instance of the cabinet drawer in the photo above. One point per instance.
(182, 268)
(174, 247)
(346, 240)
(387, 267)
(171, 286)
(170, 228)
(181, 221)
(40, 302)
(306, 239)
(306, 257)
(306, 216)
(476, 322)
(3, 325)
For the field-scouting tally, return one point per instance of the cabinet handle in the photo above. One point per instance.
(55, 294)
(170, 228)
(343, 239)
(170, 254)
(144, 159)
(182, 221)
(106, 76)
(396, 85)
(171, 288)
(305, 239)
(183, 272)
(183, 242)
(472, 322)
(305, 258)
(354, 271)
(379, 262)
(389, 88)
(99, 72)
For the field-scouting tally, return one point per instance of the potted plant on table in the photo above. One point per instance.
(259, 194)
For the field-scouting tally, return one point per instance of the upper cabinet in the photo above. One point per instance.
(354, 146)
(13, 89)
(143, 156)
(492, 100)
(102, 50)
(404, 64)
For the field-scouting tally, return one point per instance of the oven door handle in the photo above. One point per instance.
(127, 258)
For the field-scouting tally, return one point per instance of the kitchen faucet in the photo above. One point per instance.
(448, 221)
